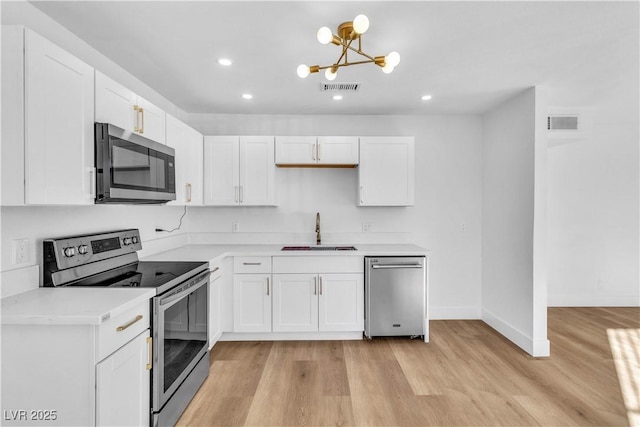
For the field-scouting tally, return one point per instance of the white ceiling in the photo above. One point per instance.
(469, 56)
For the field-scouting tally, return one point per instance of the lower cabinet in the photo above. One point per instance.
(318, 302)
(77, 374)
(252, 302)
(122, 385)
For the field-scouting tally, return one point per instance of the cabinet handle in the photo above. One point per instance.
(320, 285)
(188, 192)
(251, 263)
(123, 327)
(214, 270)
(268, 286)
(150, 360)
(315, 286)
(92, 182)
(361, 194)
(319, 151)
(241, 193)
(237, 193)
(141, 110)
(313, 152)
(135, 125)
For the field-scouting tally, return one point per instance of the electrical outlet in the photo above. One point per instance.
(463, 227)
(21, 251)
(367, 228)
(235, 227)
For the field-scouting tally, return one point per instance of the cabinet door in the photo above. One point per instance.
(114, 103)
(295, 302)
(151, 121)
(252, 303)
(59, 107)
(12, 120)
(122, 385)
(188, 145)
(221, 170)
(216, 282)
(295, 150)
(257, 171)
(341, 302)
(386, 171)
(338, 150)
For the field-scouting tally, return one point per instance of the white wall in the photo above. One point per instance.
(594, 217)
(448, 193)
(513, 227)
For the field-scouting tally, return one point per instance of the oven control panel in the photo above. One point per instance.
(75, 251)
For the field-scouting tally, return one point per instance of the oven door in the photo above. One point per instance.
(131, 168)
(180, 331)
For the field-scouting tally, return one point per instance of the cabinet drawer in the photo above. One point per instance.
(120, 329)
(252, 264)
(318, 264)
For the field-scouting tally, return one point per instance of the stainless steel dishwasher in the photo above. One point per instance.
(395, 296)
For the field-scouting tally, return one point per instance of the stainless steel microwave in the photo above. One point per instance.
(131, 168)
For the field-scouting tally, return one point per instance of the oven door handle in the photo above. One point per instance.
(182, 293)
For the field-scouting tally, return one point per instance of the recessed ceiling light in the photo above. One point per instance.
(426, 97)
(247, 96)
(224, 61)
(337, 97)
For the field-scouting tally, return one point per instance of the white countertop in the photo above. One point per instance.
(89, 306)
(214, 253)
(69, 306)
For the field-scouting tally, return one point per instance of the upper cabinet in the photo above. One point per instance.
(119, 106)
(312, 151)
(386, 171)
(189, 165)
(239, 171)
(47, 123)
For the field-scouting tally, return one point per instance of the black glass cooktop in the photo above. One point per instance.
(145, 274)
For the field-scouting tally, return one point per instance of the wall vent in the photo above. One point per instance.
(563, 123)
(339, 87)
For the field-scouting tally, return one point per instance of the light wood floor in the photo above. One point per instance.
(467, 375)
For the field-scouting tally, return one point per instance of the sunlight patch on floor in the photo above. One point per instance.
(625, 348)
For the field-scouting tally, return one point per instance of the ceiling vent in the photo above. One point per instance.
(339, 87)
(563, 123)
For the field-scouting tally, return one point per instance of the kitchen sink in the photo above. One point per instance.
(319, 248)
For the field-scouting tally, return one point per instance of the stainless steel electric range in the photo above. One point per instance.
(179, 325)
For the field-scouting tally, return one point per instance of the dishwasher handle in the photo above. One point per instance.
(394, 266)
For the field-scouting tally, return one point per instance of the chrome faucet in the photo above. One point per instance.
(318, 239)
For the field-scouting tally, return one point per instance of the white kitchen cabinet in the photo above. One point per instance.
(386, 173)
(93, 374)
(47, 123)
(122, 385)
(216, 284)
(239, 171)
(317, 151)
(341, 302)
(187, 143)
(252, 302)
(318, 293)
(116, 104)
(295, 302)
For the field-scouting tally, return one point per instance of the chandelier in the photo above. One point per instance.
(348, 32)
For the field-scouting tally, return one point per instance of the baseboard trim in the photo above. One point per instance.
(565, 300)
(454, 313)
(290, 336)
(536, 348)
